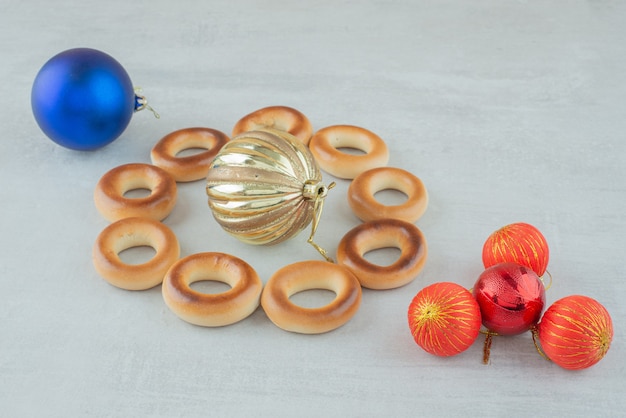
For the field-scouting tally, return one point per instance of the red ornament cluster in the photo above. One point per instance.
(508, 298)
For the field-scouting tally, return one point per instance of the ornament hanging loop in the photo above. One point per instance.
(487, 345)
(317, 191)
(141, 103)
(549, 285)
(534, 332)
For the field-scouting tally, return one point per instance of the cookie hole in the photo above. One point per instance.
(390, 197)
(383, 256)
(190, 152)
(137, 255)
(138, 193)
(351, 151)
(313, 298)
(210, 287)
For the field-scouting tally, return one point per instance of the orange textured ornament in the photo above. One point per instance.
(575, 332)
(444, 319)
(519, 243)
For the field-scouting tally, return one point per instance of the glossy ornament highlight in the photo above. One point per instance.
(264, 187)
(83, 99)
(511, 298)
(444, 319)
(575, 332)
(519, 243)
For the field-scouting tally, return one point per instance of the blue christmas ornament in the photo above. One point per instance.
(83, 99)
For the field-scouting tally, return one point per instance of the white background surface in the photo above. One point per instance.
(507, 110)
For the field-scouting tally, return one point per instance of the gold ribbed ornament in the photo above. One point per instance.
(264, 187)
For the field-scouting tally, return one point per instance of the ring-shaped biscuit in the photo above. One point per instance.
(109, 193)
(363, 188)
(309, 275)
(378, 234)
(282, 118)
(212, 310)
(325, 146)
(191, 167)
(129, 233)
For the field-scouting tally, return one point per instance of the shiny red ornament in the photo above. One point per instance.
(444, 319)
(511, 298)
(575, 332)
(519, 243)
